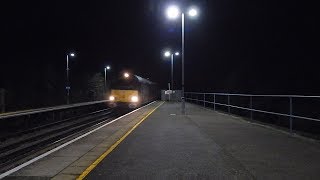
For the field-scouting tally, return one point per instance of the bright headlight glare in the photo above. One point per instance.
(134, 99)
(111, 98)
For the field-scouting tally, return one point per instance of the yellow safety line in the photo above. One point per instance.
(97, 161)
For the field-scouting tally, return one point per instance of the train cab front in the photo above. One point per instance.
(124, 99)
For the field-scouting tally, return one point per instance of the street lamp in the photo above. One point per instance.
(173, 12)
(68, 82)
(192, 12)
(167, 54)
(126, 75)
(106, 69)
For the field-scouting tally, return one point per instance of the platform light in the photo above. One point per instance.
(111, 98)
(126, 75)
(72, 54)
(173, 12)
(108, 67)
(193, 12)
(167, 54)
(134, 99)
(177, 53)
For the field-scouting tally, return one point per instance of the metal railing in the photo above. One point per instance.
(21, 121)
(47, 109)
(203, 98)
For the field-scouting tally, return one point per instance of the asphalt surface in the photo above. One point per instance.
(168, 145)
(209, 145)
(70, 161)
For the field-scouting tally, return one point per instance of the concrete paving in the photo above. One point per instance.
(70, 161)
(208, 145)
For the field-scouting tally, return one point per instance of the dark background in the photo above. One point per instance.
(258, 47)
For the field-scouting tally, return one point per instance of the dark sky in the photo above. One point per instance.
(243, 46)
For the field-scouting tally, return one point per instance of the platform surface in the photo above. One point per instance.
(204, 144)
(70, 161)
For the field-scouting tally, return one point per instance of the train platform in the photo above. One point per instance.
(158, 142)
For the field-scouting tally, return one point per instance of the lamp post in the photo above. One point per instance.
(106, 69)
(68, 82)
(173, 12)
(167, 54)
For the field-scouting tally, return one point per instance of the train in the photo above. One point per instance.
(131, 91)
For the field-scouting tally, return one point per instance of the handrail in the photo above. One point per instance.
(251, 109)
(47, 109)
(255, 95)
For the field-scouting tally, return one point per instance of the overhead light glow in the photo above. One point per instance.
(108, 67)
(126, 75)
(177, 53)
(173, 12)
(72, 54)
(167, 53)
(193, 12)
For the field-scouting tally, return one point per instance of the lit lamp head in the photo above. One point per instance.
(167, 53)
(177, 53)
(126, 75)
(192, 12)
(173, 12)
(108, 67)
(72, 54)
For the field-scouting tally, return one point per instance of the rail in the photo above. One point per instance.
(202, 97)
(47, 109)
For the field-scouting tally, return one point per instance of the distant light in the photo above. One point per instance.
(173, 12)
(126, 75)
(72, 54)
(177, 53)
(167, 53)
(193, 12)
(108, 67)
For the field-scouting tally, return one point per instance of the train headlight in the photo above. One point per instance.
(111, 98)
(134, 99)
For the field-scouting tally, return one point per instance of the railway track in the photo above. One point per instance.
(18, 147)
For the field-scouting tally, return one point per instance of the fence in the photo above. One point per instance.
(20, 121)
(225, 100)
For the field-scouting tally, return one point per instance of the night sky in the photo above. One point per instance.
(260, 47)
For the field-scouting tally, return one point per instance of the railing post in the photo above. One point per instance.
(214, 102)
(290, 100)
(251, 111)
(228, 103)
(197, 96)
(192, 100)
(186, 96)
(204, 100)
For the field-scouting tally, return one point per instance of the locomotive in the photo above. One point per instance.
(131, 91)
